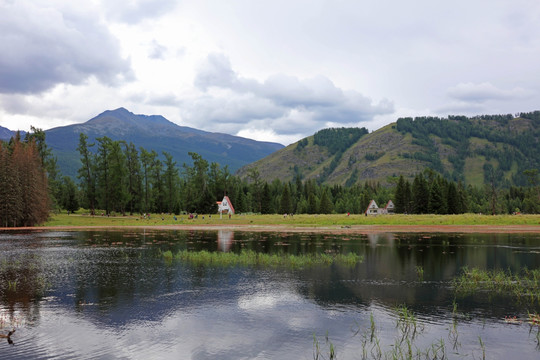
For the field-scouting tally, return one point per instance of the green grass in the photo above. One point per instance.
(252, 258)
(304, 220)
(523, 285)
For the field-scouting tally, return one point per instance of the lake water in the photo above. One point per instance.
(113, 295)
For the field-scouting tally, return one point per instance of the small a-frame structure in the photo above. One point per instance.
(372, 208)
(225, 206)
(389, 208)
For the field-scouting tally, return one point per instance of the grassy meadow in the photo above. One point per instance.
(82, 219)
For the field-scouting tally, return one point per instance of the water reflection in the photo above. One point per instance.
(72, 294)
(225, 239)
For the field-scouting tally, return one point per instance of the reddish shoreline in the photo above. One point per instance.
(360, 229)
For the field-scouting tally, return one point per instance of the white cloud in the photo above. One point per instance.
(134, 11)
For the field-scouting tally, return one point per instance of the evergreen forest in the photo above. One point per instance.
(116, 178)
(509, 145)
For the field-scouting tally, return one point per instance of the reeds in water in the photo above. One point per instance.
(523, 285)
(253, 258)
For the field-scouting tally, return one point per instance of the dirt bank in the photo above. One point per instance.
(359, 229)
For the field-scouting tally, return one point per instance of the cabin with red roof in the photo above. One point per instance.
(373, 209)
(225, 206)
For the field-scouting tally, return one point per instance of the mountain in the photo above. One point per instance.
(155, 133)
(6, 134)
(476, 150)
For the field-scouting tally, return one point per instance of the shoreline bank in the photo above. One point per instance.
(337, 229)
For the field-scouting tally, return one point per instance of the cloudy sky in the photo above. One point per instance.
(275, 70)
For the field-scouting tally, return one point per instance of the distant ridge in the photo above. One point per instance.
(474, 150)
(155, 132)
(6, 134)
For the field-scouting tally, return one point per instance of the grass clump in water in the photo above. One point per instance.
(253, 258)
(523, 285)
(168, 255)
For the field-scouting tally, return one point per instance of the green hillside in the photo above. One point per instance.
(476, 150)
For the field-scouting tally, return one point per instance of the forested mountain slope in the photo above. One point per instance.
(155, 133)
(6, 134)
(484, 149)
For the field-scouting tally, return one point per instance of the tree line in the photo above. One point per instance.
(24, 191)
(117, 177)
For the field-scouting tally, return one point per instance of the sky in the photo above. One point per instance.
(276, 70)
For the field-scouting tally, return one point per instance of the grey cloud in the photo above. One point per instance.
(479, 93)
(14, 104)
(291, 91)
(232, 109)
(157, 51)
(291, 104)
(162, 100)
(43, 47)
(217, 72)
(462, 108)
(134, 11)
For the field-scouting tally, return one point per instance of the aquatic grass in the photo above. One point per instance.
(406, 322)
(420, 273)
(168, 255)
(522, 285)
(454, 333)
(253, 258)
(534, 319)
(483, 347)
(12, 285)
(22, 276)
(317, 354)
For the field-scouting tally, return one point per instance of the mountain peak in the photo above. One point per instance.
(157, 133)
(124, 116)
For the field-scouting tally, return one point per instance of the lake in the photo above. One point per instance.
(121, 295)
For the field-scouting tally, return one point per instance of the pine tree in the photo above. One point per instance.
(436, 199)
(266, 206)
(420, 195)
(10, 190)
(452, 199)
(119, 177)
(26, 194)
(171, 180)
(86, 172)
(463, 202)
(408, 197)
(400, 196)
(313, 208)
(69, 200)
(325, 206)
(134, 179)
(285, 203)
(158, 184)
(147, 159)
(103, 179)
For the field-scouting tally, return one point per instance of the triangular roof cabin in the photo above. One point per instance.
(389, 207)
(372, 208)
(225, 205)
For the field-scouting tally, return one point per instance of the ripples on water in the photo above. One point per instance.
(111, 295)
